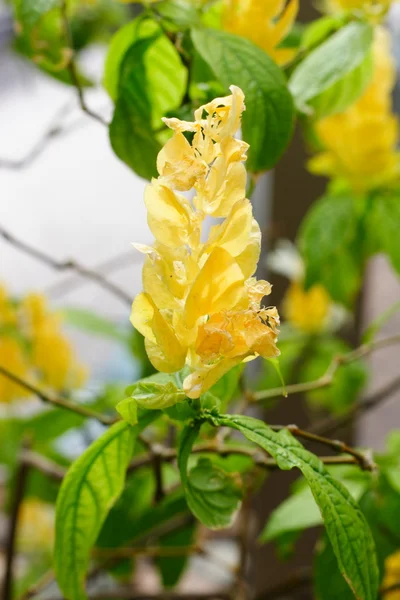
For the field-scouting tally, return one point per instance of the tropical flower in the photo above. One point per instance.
(264, 23)
(360, 143)
(200, 304)
(33, 346)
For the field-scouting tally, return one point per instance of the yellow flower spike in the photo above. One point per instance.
(218, 286)
(13, 359)
(168, 215)
(265, 23)
(201, 305)
(360, 143)
(307, 310)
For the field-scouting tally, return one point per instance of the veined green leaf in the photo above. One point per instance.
(333, 75)
(152, 81)
(268, 121)
(28, 13)
(172, 568)
(212, 495)
(345, 524)
(91, 487)
(300, 511)
(180, 13)
(156, 392)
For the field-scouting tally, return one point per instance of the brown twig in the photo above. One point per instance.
(43, 464)
(37, 587)
(66, 265)
(327, 378)
(129, 594)
(73, 71)
(20, 481)
(330, 424)
(56, 401)
(363, 460)
(299, 578)
(55, 130)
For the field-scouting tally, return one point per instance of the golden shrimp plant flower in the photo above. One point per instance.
(201, 305)
(266, 24)
(34, 347)
(360, 143)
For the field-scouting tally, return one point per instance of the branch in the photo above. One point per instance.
(21, 477)
(129, 594)
(363, 460)
(44, 465)
(327, 378)
(37, 587)
(66, 265)
(71, 66)
(55, 130)
(56, 401)
(331, 424)
(299, 578)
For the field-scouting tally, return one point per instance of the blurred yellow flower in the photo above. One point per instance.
(392, 575)
(360, 143)
(33, 346)
(200, 304)
(374, 9)
(265, 23)
(35, 526)
(307, 310)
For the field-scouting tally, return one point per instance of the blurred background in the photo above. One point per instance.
(66, 194)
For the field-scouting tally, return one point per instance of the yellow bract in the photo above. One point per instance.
(307, 310)
(360, 143)
(33, 347)
(392, 575)
(374, 9)
(200, 305)
(266, 23)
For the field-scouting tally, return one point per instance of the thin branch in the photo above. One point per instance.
(299, 578)
(129, 594)
(364, 460)
(327, 378)
(331, 424)
(66, 265)
(147, 551)
(56, 401)
(72, 68)
(43, 464)
(71, 283)
(56, 129)
(37, 587)
(20, 482)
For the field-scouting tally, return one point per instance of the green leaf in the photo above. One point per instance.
(346, 526)
(28, 13)
(268, 120)
(335, 74)
(386, 213)
(152, 82)
(180, 13)
(172, 568)
(317, 31)
(95, 324)
(212, 495)
(90, 488)
(328, 244)
(329, 584)
(300, 511)
(156, 392)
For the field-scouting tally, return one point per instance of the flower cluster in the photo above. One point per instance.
(33, 346)
(360, 143)
(201, 303)
(264, 23)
